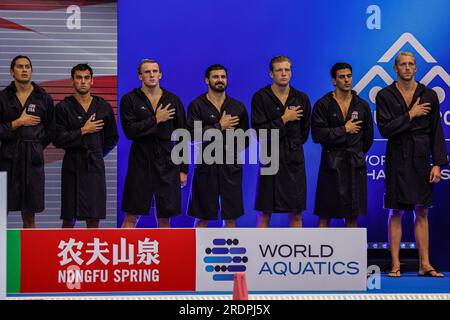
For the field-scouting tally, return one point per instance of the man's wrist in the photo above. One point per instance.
(16, 123)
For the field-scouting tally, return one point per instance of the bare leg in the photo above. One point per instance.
(28, 220)
(263, 219)
(295, 219)
(130, 220)
(163, 223)
(395, 237)
(323, 222)
(69, 224)
(351, 222)
(422, 237)
(231, 223)
(200, 223)
(92, 223)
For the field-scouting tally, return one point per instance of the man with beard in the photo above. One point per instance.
(86, 129)
(408, 116)
(26, 129)
(281, 107)
(217, 110)
(149, 115)
(342, 123)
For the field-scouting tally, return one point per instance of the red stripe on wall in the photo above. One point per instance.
(42, 5)
(6, 24)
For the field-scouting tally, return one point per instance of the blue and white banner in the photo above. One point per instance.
(282, 259)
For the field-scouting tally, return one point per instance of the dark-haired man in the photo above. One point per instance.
(216, 110)
(86, 129)
(342, 123)
(26, 129)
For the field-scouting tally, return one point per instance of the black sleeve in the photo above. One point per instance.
(5, 130)
(388, 125)
(244, 123)
(320, 129)
(259, 118)
(195, 115)
(437, 140)
(306, 120)
(64, 138)
(368, 130)
(50, 123)
(5, 127)
(110, 134)
(132, 127)
(181, 124)
(180, 115)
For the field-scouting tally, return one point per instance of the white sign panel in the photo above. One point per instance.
(282, 259)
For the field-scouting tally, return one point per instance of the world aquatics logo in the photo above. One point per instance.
(224, 258)
(377, 70)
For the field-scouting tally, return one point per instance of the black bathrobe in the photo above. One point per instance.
(342, 179)
(83, 180)
(22, 150)
(150, 167)
(214, 180)
(409, 147)
(286, 190)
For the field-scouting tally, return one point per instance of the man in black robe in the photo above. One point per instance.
(408, 116)
(342, 123)
(149, 115)
(217, 110)
(86, 129)
(26, 129)
(281, 107)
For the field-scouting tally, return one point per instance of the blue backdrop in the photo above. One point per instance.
(186, 37)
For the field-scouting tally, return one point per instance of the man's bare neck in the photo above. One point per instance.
(23, 87)
(153, 91)
(215, 95)
(83, 98)
(342, 95)
(280, 90)
(406, 86)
